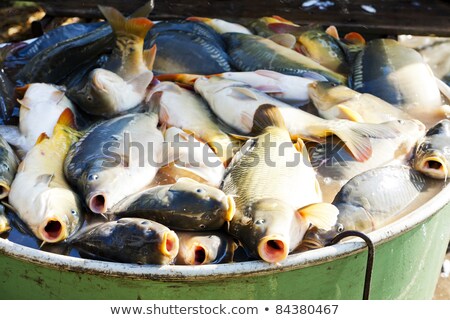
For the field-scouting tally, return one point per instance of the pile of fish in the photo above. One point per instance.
(196, 141)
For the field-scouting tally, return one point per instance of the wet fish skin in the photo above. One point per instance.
(129, 240)
(221, 26)
(341, 102)
(186, 26)
(172, 46)
(106, 94)
(40, 109)
(335, 165)
(198, 248)
(370, 201)
(49, 38)
(40, 193)
(274, 203)
(8, 167)
(168, 99)
(185, 205)
(66, 56)
(104, 177)
(251, 53)
(198, 161)
(323, 48)
(399, 76)
(235, 103)
(432, 156)
(7, 99)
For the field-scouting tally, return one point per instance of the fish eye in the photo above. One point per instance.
(199, 190)
(202, 226)
(339, 228)
(89, 98)
(74, 212)
(4, 166)
(93, 177)
(401, 121)
(260, 221)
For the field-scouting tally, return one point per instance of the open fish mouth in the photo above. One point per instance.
(434, 166)
(170, 244)
(4, 190)
(98, 203)
(273, 249)
(53, 230)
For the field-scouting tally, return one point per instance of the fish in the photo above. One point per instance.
(51, 37)
(40, 109)
(106, 94)
(221, 26)
(251, 53)
(235, 103)
(39, 192)
(121, 83)
(432, 155)
(185, 205)
(184, 109)
(341, 102)
(114, 159)
(324, 49)
(399, 76)
(199, 248)
(172, 57)
(185, 26)
(129, 240)
(269, 26)
(7, 99)
(8, 167)
(335, 165)
(192, 159)
(369, 201)
(4, 221)
(277, 193)
(54, 63)
(292, 90)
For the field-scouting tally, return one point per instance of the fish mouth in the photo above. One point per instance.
(273, 249)
(97, 203)
(231, 208)
(434, 166)
(97, 83)
(169, 244)
(53, 230)
(4, 190)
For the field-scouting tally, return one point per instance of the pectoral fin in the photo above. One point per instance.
(322, 215)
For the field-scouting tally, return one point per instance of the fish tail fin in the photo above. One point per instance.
(149, 57)
(267, 115)
(138, 26)
(355, 135)
(322, 215)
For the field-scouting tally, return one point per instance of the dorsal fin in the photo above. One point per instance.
(43, 136)
(267, 115)
(67, 118)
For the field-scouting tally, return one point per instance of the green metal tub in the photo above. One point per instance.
(408, 258)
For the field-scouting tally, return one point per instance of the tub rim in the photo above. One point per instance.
(229, 270)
